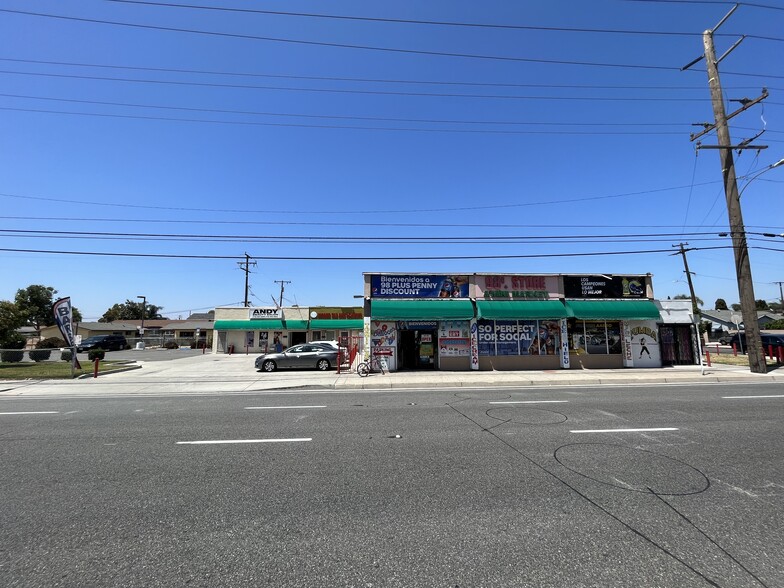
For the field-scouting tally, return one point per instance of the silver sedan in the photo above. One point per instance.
(306, 356)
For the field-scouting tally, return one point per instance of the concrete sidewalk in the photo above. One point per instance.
(235, 374)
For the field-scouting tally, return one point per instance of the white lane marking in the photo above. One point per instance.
(770, 396)
(624, 430)
(37, 412)
(528, 401)
(72, 412)
(222, 441)
(281, 407)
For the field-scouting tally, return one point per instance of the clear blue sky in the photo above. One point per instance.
(406, 145)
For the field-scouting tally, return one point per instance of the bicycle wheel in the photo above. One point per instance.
(363, 370)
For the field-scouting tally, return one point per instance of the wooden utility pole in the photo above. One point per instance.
(282, 284)
(245, 266)
(737, 230)
(694, 307)
(781, 293)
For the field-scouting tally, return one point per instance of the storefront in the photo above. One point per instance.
(512, 321)
(677, 333)
(268, 329)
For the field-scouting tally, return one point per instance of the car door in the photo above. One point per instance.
(309, 355)
(290, 357)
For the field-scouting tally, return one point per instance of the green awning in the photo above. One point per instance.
(520, 309)
(335, 324)
(269, 325)
(641, 310)
(421, 310)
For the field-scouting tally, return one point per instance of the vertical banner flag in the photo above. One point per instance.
(63, 316)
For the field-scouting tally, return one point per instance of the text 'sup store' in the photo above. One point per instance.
(513, 321)
(269, 329)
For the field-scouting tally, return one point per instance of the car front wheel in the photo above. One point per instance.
(322, 365)
(269, 366)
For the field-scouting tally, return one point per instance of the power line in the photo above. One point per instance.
(342, 45)
(722, 2)
(355, 91)
(361, 258)
(360, 212)
(374, 80)
(410, 21)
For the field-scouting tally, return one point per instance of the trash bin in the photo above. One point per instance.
(231, 349)
(140, 345)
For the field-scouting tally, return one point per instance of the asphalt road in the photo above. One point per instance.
(408, 488)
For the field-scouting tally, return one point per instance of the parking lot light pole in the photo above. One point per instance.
(144, 311)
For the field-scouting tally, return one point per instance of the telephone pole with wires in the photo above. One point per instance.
(757, 362)
(282, 285)
(694, 307)
(245, 266)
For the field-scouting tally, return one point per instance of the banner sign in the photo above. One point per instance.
(420, 286)
(336, 312)
(63, 316)
(255, 314)
(604, 287)
(474, 344)
(511, 337)
(507, 287)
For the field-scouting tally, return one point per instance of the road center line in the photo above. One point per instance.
(770, 396)
(37, 412)
(624, 430)
(224, 441)
(281, 407)
(528, 401)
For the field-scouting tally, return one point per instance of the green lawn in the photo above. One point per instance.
(47, 370)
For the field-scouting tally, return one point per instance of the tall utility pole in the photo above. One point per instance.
(282, 284)
(245, 266)
(695, 309)
(781, 293)
(737, 230)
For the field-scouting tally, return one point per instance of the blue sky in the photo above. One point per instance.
(542, 158)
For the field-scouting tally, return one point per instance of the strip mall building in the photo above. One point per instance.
(521, 321)
(483, 322)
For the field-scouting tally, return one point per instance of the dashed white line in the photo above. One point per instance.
(769, 396)
(281, 407)
(225, 441)
(624, 430)
(31, 412)
(528, 401)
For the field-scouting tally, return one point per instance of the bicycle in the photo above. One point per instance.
(374, 365)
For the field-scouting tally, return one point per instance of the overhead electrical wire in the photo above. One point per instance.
(358, 212)
(423, 22)
(374, 80)
(356, 258)
(722, 2)
(369, 47)
(355, 91)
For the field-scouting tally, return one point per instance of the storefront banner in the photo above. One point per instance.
(367, 343)
(417, 325)
(626, 337)
(263, 341)
(564, 344)
(422, 286)
(505, 287)
(454, 339)
(604, 287)
(265, 313)
(335, 313)
(474, 344)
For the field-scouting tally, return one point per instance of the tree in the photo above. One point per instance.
(130, 311)
(35, 305)
(761, 304)
(720, 304)
(776, 307)
(736, 307)
(10, 320)
(687, 297)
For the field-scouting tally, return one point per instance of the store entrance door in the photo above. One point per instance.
(417, 349)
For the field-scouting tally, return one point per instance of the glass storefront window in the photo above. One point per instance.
(596, 337)
(522, 337)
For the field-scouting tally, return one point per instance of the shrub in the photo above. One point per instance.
(11, 355)
(66, 355)
(40, 354)
(12, 340)
(171, 345)
(97, 353)
(50, 343)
